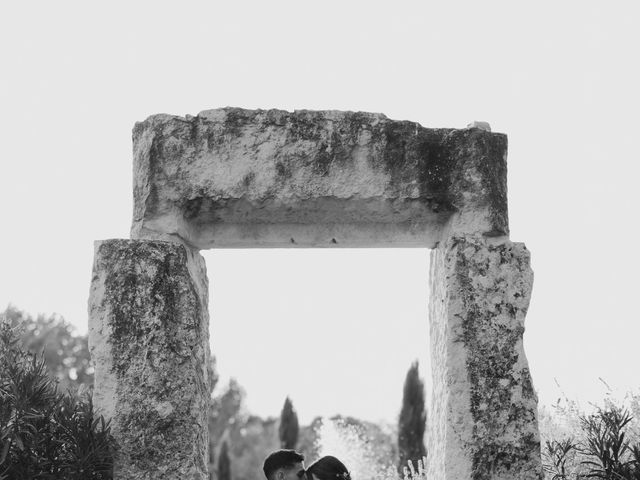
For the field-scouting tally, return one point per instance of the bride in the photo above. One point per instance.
(328, 468)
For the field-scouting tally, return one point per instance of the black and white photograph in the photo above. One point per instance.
(338, 240)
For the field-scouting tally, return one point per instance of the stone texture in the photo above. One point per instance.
(254, 178)
(482, 125)
(244, 178)
(149, 343)
(483, 417)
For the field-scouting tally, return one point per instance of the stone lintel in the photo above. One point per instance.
(270, 178)
(149, 343)
(483, 416)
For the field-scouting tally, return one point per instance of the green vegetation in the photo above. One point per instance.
(605, 446)
(289, 428)
(224, 463)
(412, 420)
(44, 433)
(417, 472)
(49, 430)
(66, 355)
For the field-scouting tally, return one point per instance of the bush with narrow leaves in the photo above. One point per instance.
(560, 459)
(604, 451)
(45, 434)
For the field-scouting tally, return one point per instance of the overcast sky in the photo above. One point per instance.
(336, 329)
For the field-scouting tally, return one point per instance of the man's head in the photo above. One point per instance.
(284, 465)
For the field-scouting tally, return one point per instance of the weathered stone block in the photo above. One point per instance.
(254, 178)
(244, 178)
(483, 417)
(149, 342)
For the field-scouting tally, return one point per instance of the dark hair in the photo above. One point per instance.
(281, 459)
(328, 468)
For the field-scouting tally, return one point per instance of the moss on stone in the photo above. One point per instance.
(500, 391)
(147, 292)
(156, 352)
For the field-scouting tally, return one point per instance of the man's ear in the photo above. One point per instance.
(280, 474)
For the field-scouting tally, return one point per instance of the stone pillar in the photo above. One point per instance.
(149, 341)
(254, 178)
(483, 417)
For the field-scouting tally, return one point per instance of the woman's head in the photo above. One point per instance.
(328, 468)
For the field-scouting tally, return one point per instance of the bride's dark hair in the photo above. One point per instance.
(328, 468)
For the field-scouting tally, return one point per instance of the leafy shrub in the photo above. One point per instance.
(66, 354)
(604, 451)
(46, 434)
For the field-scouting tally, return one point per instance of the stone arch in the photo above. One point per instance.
(269, 178)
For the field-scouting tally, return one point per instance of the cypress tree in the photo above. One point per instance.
(289, 427)
(224, 463)
(412, 419)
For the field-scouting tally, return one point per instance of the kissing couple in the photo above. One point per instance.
(289, 465)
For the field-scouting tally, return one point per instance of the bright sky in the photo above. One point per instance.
(336, 329)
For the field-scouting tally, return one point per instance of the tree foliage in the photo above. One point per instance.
(224, 463)
(604, 449)
(249, 438)
(289, 428)
(225, 412)
(66, 355)
(44, 433)
(412, 419)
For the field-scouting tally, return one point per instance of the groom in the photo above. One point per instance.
(284, 465)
